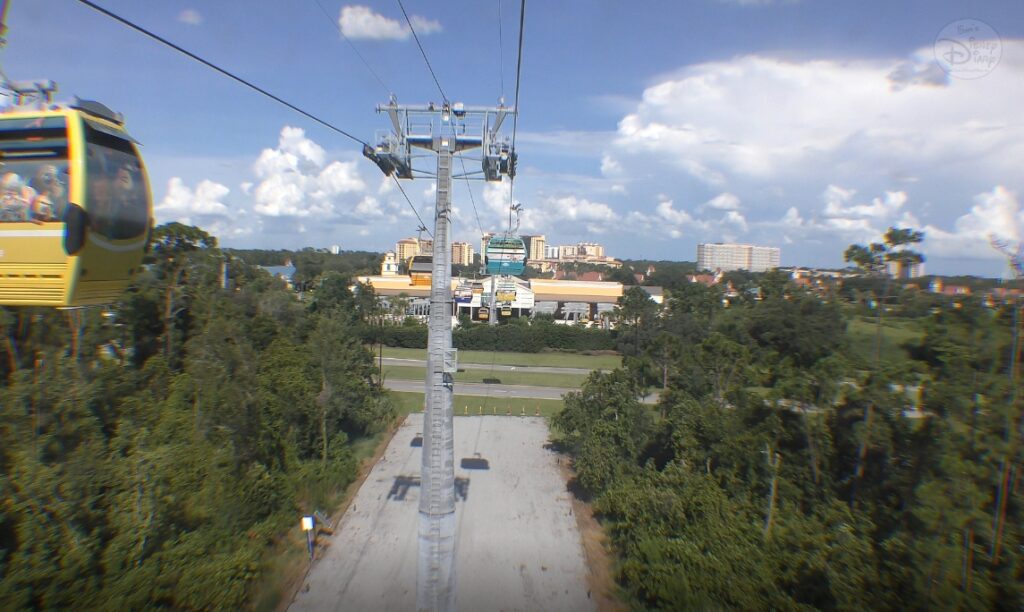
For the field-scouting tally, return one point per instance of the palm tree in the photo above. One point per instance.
(874, 260)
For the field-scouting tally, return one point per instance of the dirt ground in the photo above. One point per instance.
(519, 544)
(600, 577)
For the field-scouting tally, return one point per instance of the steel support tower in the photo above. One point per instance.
(445, 130)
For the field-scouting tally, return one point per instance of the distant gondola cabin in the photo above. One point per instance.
(505, 255)
(75, 206)
(463, 294)
(421, 268)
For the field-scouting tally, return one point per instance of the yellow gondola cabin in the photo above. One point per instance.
(421, 269)
(75, 206)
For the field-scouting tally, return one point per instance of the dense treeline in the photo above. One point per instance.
(784, 470)
(518, 335)
(310, 264)
(151, 453)
(667, 274)
(532, 337)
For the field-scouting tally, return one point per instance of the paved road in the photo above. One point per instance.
(517, 543)
(422, 363)
(483, 389)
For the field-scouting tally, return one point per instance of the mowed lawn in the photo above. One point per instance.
(559, 360)
(497, 377)
(895, 333)
(472, 405)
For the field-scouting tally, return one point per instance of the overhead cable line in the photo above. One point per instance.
(258, 89)
(469, 188)
(414, 211)
(354, 49)
(519, 67)
(444, 98)
(226, 73)
(515, 117)
(501, 54)
(440, 89)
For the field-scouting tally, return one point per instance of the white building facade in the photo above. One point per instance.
(726, 257)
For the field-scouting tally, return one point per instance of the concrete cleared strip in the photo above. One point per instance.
(517, 548)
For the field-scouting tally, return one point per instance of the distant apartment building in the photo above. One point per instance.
(582, 252)
(426, 246)
(389, 266)
(899, 270)
(590, 249)
(535, 248)
(462, 254)
(406, 248)
(335, 249)
(726, 257)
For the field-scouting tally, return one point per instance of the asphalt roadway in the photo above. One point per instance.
(484, 389)
(517, 543)
(422, 363)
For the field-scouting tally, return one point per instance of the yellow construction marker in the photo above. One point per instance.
(522, 411)
(465, 410)
(480, 411)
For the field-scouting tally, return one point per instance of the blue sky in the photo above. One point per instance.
(649, 127)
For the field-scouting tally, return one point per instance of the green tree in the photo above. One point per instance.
(686, 544)
(874, 260)
(726, 366)
(605, 426)
(172, 247)
(802, 328)
(635, 308)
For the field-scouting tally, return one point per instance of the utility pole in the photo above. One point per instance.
(445, 130)
(492, 319)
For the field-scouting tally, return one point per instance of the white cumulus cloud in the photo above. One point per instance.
(295, 180)
(724, 201)
(610, 166)
(995, 214)
(761, 119)
(665, 221)
(560, 215)
(361, 22)
(735, 219)
(185, 204)
(837, 198)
